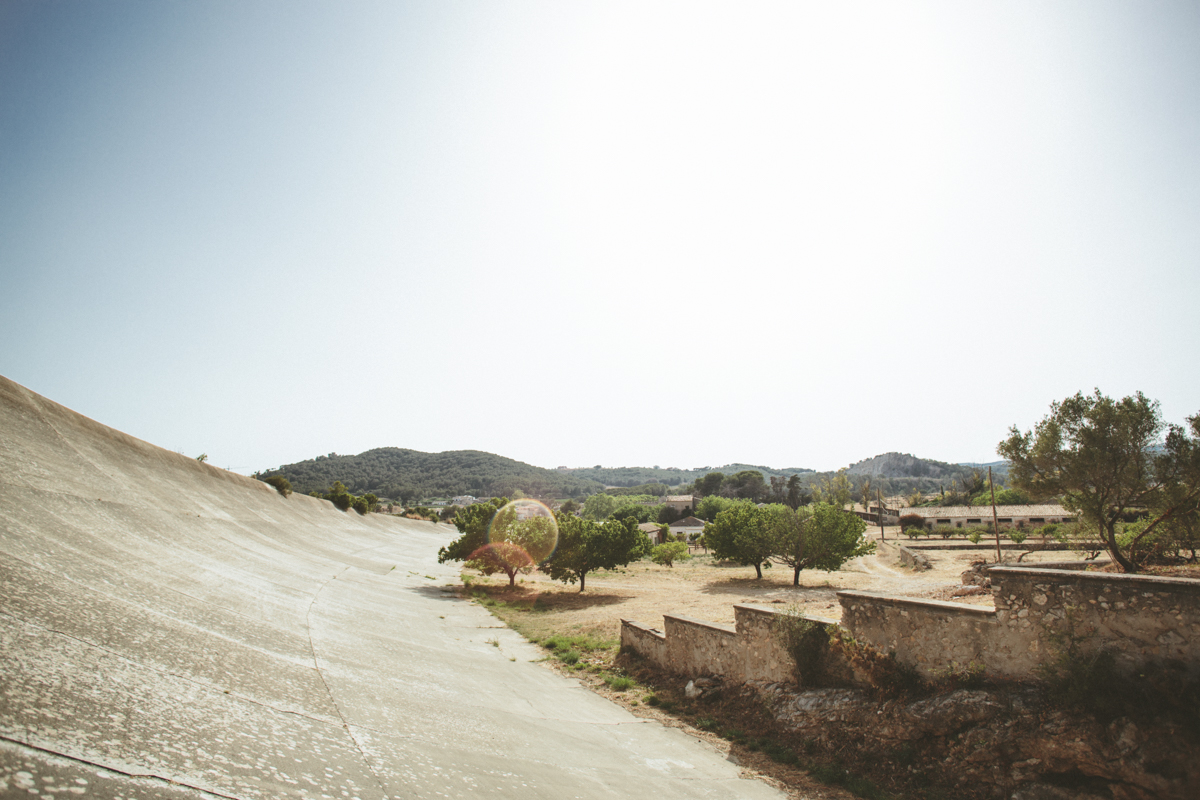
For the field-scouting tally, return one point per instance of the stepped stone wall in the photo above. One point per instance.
(1142, 620)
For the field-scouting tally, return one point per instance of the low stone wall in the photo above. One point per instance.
(927, 634)
(744, 651)
(1143, 620)
(911, 558)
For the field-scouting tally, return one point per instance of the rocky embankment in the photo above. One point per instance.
(1003, 743)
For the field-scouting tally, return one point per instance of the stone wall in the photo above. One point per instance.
(743, 651)
(1141, 619)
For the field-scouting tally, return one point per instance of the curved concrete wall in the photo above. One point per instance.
(169, 629)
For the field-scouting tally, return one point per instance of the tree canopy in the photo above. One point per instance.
(585, 545)
(1105, 457)
(822, 536)
(739, 533)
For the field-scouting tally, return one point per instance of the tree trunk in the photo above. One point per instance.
(582, 576)
(1110, 539)
(512, 579)
(758, 569)
(796, 576)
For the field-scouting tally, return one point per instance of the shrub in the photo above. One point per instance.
(806, 642)
(1017, 535)
(281, 484)
(618, 683)
(361, 505)
(974, 536)
(913, 525)
(667, 554)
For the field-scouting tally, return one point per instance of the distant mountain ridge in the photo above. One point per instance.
(398, 473)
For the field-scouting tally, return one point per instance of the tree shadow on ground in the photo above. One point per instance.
(557, 599)
(753, 586)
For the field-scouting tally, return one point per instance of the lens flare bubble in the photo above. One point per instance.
(528, 524)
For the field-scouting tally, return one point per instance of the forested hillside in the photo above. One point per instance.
(638, 476)
(395, 473)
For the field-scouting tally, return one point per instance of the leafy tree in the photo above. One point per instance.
(836, 490)
(1103, 458)
(340, 496)
(569, 507)
(1004, 497)
(585, 545)
(797, 495)
(747, 484)
(599, 506)
(823, 538)
(635, 511)
(472, 523)
(710, 484)
(739, 533)
(515, 545)
(669, 552)
(667, 515)
(711, 505)
(507, 557)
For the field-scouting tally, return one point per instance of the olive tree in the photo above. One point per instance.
(1105, 457)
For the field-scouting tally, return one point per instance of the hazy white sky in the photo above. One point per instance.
(794, 234)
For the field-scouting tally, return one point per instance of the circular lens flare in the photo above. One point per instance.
(526, 524)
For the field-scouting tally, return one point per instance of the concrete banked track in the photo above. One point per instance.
(169, 629)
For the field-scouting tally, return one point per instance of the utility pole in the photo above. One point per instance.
(995, 522)
(879, 511)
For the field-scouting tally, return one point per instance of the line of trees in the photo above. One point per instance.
(494, 541)
(821, 536)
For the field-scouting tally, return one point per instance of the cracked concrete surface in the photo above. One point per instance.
(171, 630)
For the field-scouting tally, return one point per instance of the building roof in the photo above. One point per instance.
(958, 512)
(648, 527)
(678, 498)
(689, 522)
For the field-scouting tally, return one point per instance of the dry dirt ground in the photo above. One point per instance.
(707, 590)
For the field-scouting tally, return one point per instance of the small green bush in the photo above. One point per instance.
(281, 484)
(568, 656)
(912, 525)
(667, 554)
(1017, 535)
(619, 683)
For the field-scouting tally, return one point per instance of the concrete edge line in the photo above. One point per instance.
(320, 674)
(146, 776)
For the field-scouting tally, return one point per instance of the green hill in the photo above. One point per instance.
(395, 473)
(639, 476)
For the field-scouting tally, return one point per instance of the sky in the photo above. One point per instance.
(630, 234)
